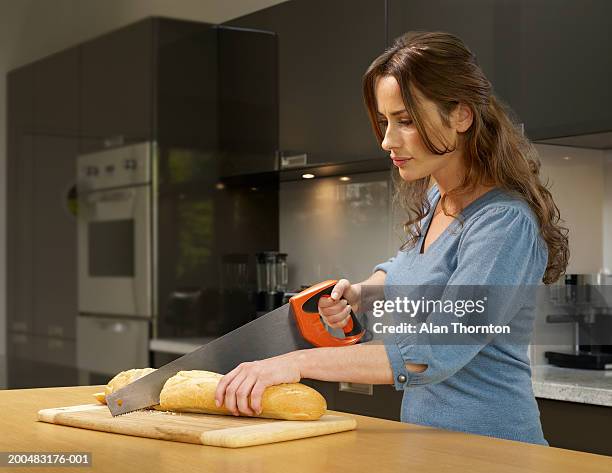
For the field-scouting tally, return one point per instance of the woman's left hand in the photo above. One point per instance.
(250, 379)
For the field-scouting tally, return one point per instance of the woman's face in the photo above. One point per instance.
(401, 137)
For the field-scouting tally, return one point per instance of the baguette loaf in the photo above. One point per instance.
(120, 380)
(194, 391)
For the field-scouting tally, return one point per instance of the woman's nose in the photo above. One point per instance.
(390, 139)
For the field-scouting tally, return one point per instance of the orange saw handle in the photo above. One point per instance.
(305, 308)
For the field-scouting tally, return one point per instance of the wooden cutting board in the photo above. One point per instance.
(205, 429)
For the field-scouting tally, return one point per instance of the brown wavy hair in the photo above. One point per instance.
(496, 152)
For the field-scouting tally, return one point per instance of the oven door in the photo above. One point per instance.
(114, 252)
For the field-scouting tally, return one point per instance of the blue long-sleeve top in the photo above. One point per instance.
(478, 388)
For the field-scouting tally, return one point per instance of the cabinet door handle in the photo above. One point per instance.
(20, 327)
(20, 338)
(55, 344)
(112, 141)
(358, 388)
(293, 160)
(55, 330)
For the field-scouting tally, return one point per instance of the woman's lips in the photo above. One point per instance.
(400, 161)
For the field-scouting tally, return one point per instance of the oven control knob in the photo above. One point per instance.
(130, 164)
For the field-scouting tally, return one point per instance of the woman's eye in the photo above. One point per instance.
(382, 123)
(406, 122)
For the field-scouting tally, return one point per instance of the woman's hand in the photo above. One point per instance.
(336, 310)
(250, 379)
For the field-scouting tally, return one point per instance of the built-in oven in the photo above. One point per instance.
(115, 237)
(115, 260)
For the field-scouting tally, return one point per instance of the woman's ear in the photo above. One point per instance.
(462, 118)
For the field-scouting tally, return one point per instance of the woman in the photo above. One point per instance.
(478, 215)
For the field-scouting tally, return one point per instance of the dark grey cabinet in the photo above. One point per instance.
(152, 80)
(185, 83)
(55, 94)
(324, 48)
(41, 270)
(20, 118)
(576, 426)
(488, 28)
(116, 88)
(382, 401)
(548, 60)
(53, 250)
(248, 98)
(566, 67)
(40, 362)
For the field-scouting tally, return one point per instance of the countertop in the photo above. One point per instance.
(377, 445)
(178, 346)
(566, 384)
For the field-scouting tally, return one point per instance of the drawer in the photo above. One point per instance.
(108, 345)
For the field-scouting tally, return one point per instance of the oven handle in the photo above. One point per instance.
(111, 196)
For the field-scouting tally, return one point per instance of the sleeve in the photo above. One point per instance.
(500, 247)
(384, 266)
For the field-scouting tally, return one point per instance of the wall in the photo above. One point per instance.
(332, 229)
(33, 29)
(581, 185)
(337, 229)
(577, 185)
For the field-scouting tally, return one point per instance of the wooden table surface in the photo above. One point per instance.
(376, 446)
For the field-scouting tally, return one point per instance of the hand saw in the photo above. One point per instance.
(293, 326)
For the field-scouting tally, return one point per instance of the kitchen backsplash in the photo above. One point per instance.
(332, 228)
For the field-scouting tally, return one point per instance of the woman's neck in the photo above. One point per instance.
(450, 178)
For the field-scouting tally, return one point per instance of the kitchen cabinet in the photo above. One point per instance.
(383, 401)
(55, 94)
(248, 97)
(34, 361)
(489, 29)
(185, 84)
(324, 48)
(41, 266)
(566, 67)
(380, 401)
(153, 80)
(116, 88)
(548, 60)
(21, 367)
(576, 426)
(53, 250)
(41, 271)
(19, 196)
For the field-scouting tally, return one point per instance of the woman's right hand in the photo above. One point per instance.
(336, 310)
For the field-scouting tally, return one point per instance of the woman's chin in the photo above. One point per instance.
(410, 174)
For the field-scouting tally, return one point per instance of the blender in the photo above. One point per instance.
(272, 277)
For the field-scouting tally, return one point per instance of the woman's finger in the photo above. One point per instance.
(257, 396)
(230, 394)
(334, 309)
(242, 395)
(326, 301)
(341, 286)
(340, 316)
(222, 386)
